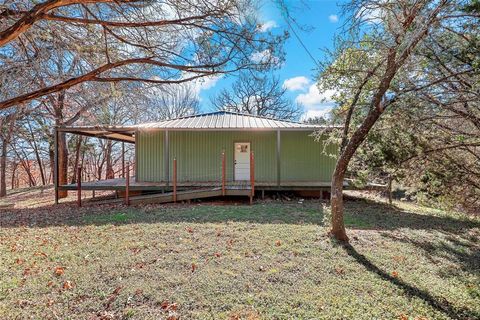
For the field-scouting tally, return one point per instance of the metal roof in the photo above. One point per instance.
(214, 121)
(226, 120)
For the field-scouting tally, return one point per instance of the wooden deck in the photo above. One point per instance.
(119, 185)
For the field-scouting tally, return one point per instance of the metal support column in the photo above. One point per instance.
(166, 156)
(278, 158)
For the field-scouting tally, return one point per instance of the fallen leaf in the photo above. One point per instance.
(189, 230)
(164, 305)
(42, 254)
(194, 266)
(19, 261)
(113, 297)
(167, 306)
(217, 254)
(67, 285)
(59, 271)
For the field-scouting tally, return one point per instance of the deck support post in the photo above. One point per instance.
(127, 185)
(278, 158)
(223, 173)
(55, 165)
(174, 180)
(252, 176)
(166, 157)
(123, 160)
(79, 186)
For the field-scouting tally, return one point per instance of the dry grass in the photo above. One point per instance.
(267, 261)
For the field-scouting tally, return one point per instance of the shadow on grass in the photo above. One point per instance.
(461, 249)
(359, 214)
(439, 304)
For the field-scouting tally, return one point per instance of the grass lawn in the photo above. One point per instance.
(271, 260)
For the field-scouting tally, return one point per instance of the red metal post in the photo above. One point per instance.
(223, 173)
(252, 176)
(127, 184)
(175, 180)
(79, 186)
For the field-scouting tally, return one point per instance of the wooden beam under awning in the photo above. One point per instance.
(110, 134)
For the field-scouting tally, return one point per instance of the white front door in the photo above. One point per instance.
(242, 161)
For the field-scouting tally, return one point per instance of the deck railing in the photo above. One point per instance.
(223, 182)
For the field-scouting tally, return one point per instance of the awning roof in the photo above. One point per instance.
(214, 121)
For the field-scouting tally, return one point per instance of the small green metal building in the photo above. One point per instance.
(218, 149)
(285, 153)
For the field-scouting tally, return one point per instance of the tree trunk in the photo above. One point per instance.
(6, 137)
(62, 145)
(390, 190)
(3, 169)
(109, 173)
(37, 154)
(14, 172)
(62, 163)
(336, 197)
(338, 226)
(77, 159)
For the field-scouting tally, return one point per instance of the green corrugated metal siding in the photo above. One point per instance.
(149, 156)
(198, 155)
(303, 159)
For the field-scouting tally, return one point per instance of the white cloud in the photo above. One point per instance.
(333, 18)
(372, 14)
(268, 25)
(296, 83)
(264, 56)
(205, 84)
(312, 113)
(316, 103)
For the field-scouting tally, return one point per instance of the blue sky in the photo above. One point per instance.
(322, 20)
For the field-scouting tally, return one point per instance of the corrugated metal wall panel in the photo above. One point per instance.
(150, 162)
(302, 158)
(198, 155)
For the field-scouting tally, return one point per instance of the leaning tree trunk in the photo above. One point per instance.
(338, 225)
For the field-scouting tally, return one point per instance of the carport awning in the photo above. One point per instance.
(124, 134)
